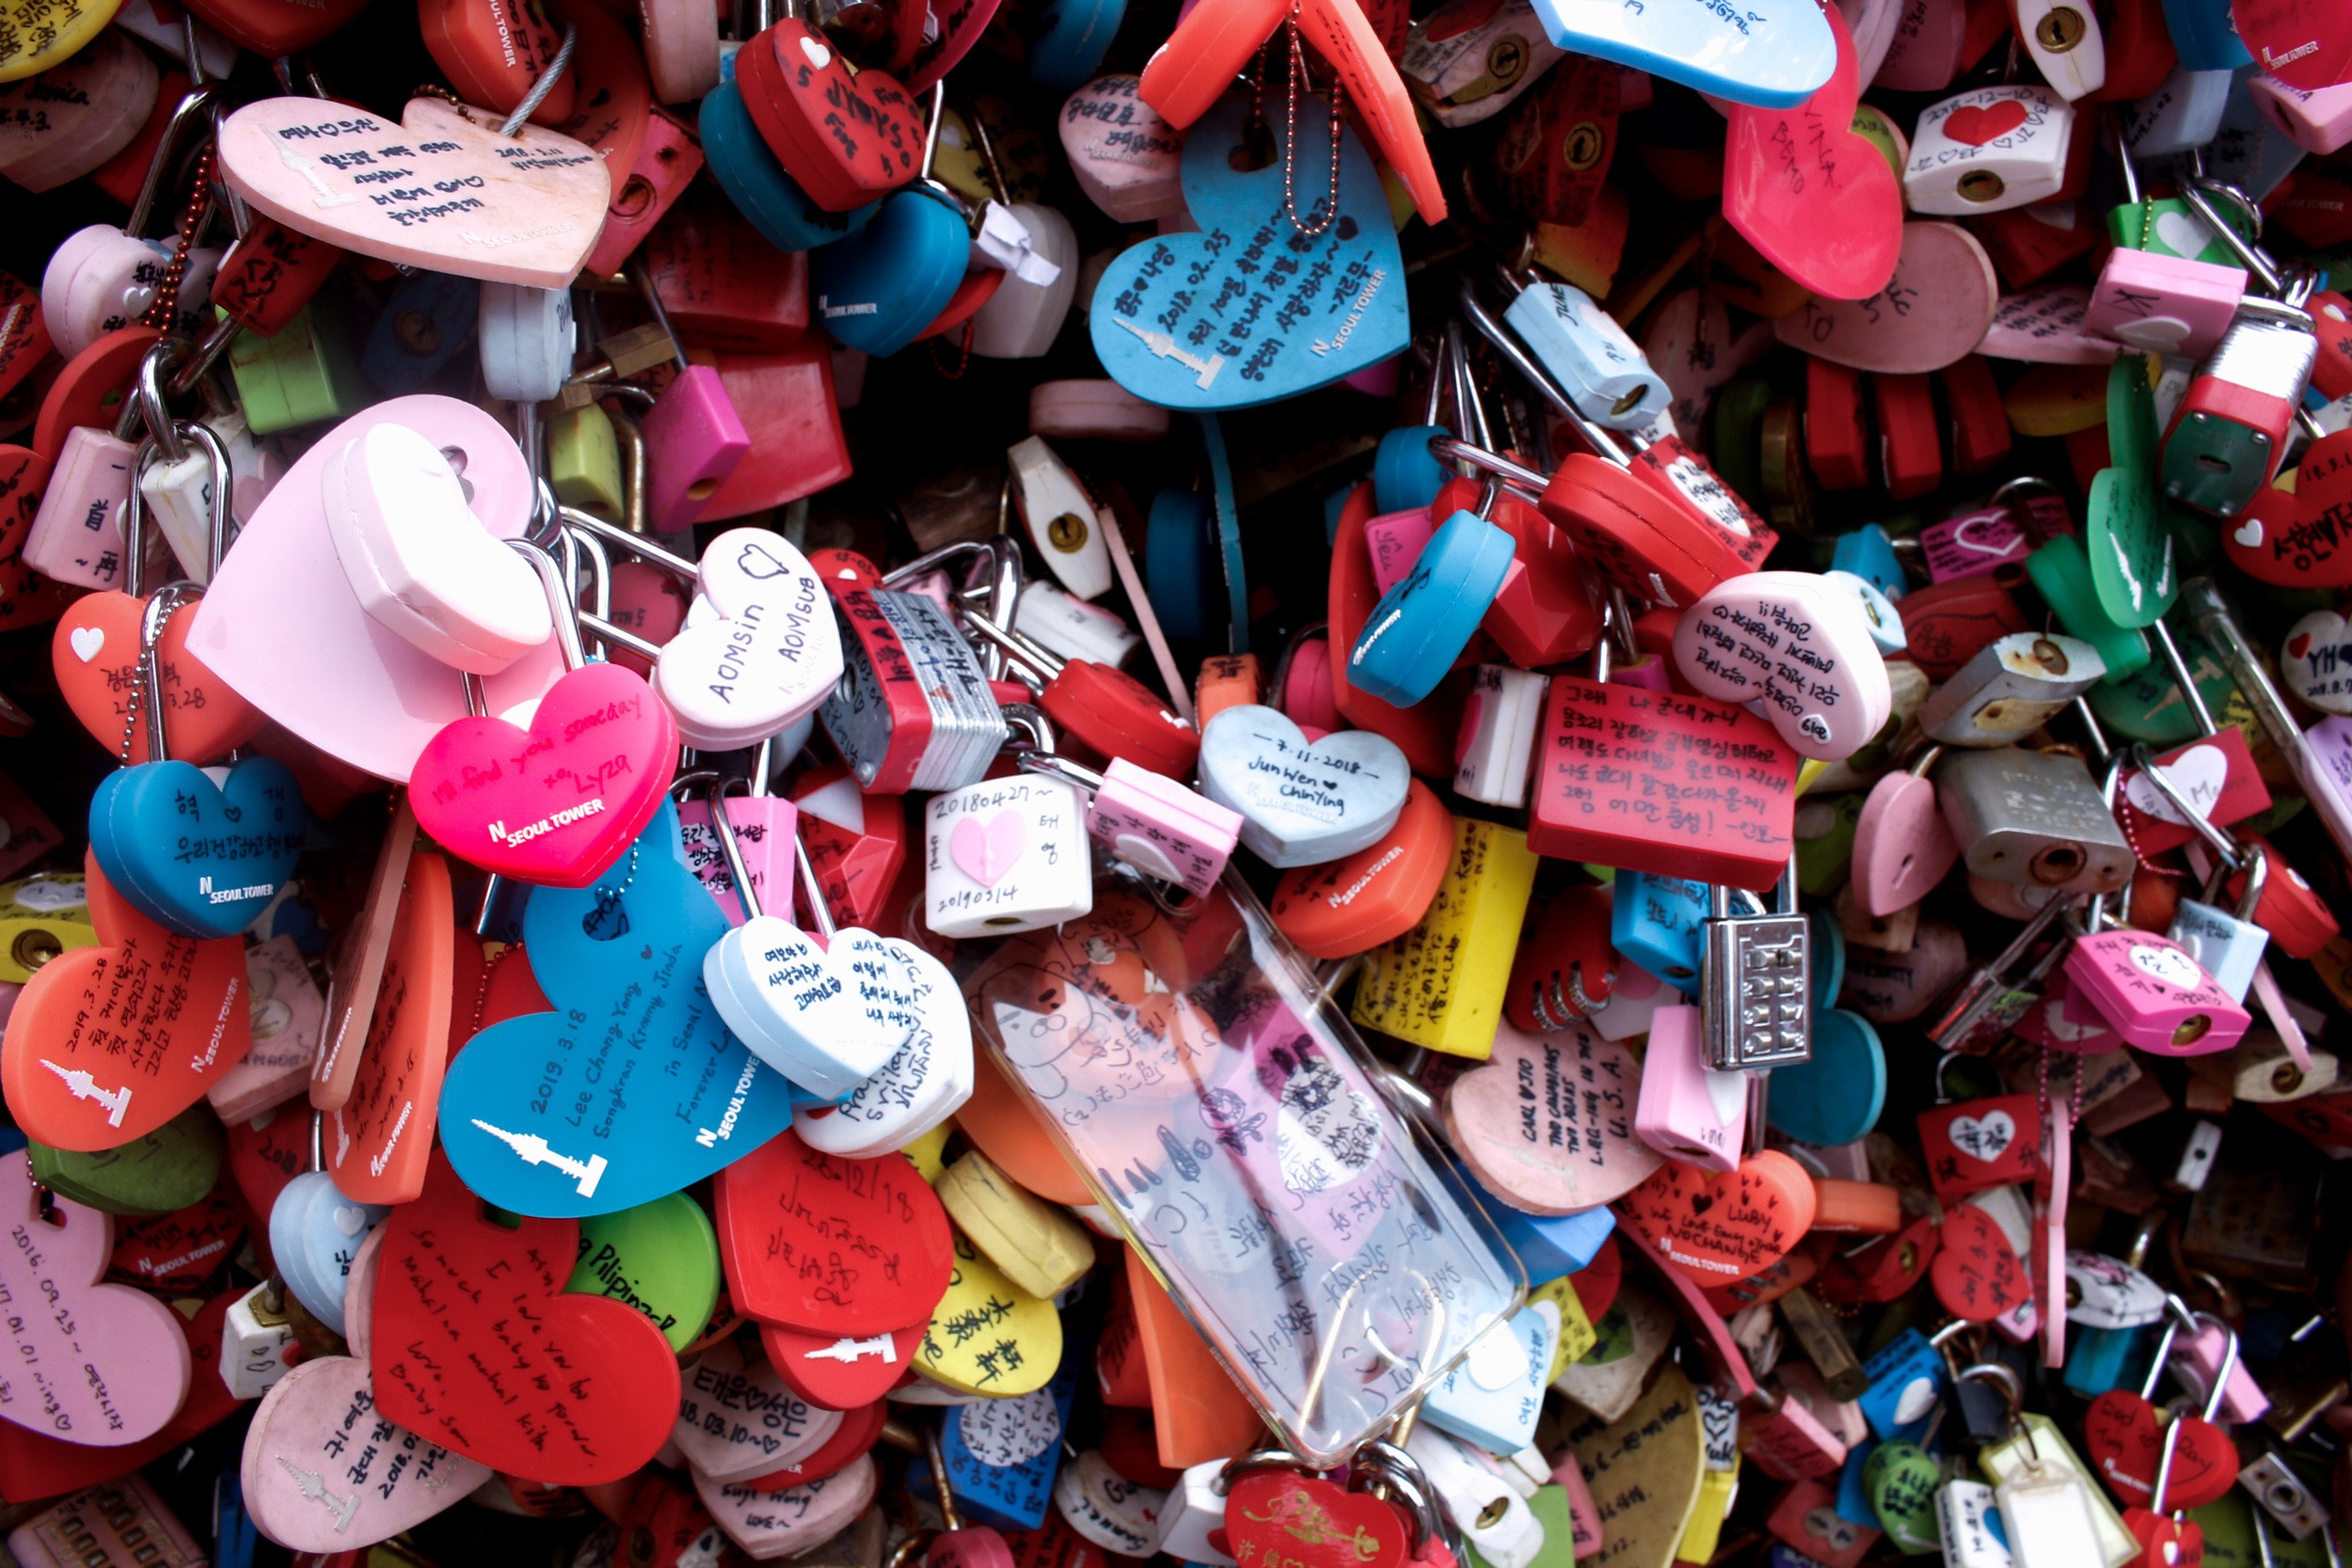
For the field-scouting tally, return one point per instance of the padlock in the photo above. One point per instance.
(1978, 1145)
(1497, 745)
(1008, 855)
(2151, 295)
(422, 328)
(1109, 711)
(497, 52)
(2225, 441)
(1419, 628)
(304, 373)
(1491, 1516)
(2153, 994)
(2033, 817)
(897, 276)
(2227, 947)
(1987, 150)
(527, 338)
(1062, 623)
(2012, 688)
(1125, 155)
(694, 438)
(1687, 1109)
(1589, 356)
(1466, 62)
(1755, 983)
(856, 842)
(792, 80)
(913, 709)
(1434, 985)
(1149, 820)
(257, 1342)
(1037, 251)
(2288, 908)
(1061, 518)
(1566, 969)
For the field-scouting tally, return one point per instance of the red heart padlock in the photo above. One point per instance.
(2295, 539)
(1565, 968)
(1977, 1276)
(846, 137)
(176, 1252)
(1718, 1227)
(107, 1043)
(95, 653)
(477, 1346)
(830, 1244)
(2164, 1542)
(1548, 609)
(1285, 1517)
(493, 50)
(2123, 1438)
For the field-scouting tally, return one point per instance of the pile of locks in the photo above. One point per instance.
(755, 889)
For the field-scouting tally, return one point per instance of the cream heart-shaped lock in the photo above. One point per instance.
(2199, 773)
(827, 1018)
(419, 559)
(1799, 645)
(762, 654)
(443, 190)
(769, 1525)
(299, 1454)
(737, 1419)
(2316, 662)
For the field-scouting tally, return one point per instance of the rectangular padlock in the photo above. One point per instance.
(764, 828)
(1441, 985)
(2224, 442)
(255, 1342)
(1497, 745)
(668, 158)
(1161, 828)
(2033, 817)
(2010, 688)
(1756, 987)
(912, 710)
(1006, 855)
(305, 373)
(76, 536)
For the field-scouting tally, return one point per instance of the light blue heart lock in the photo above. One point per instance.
(1868, 553)
(1176, 557)
(1906, 1380)
(1772, 53)
(315, 1233)
(1302, 804)
(1405, 474)
(1421, 626)
(769, 198)
(199, 858)
(1836, 1095)
(1257, 305)
(1656, 921)
(1002, 1455)
(1877, 612)
(1493, 1394)
(2205, 35)
(632, 1087)
(1068, 40)
(1602, 369)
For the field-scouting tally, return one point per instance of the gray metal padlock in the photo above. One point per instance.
(2012, 688)
(2033, 817)
(2228, 946)
(1756, 985)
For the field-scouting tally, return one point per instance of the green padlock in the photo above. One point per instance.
(2230, 1542)
(1901, 1481)
(161, 1173)
(2061, 573)
(662, 1257)
(584, 463)
(2127, 534)
(304, 376)
(2165, 227)
(1824, 835)
(41, 916)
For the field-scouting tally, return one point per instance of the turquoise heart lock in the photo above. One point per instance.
(1835, 1097)
(881, 287)
(1772, 53)
(314, 1234)
(1302, 804)
(769, 198)
(1420, 627)
(1068, 39)
(1272, 296)
(631, 1088)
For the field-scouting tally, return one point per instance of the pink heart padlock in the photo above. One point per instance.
(1901, 845)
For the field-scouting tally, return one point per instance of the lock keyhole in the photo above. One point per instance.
(33, 948)
(1493, 1513)
(1067, 532)
(2192, 1029)
(2058, 863)
(2212, 464)
(1981, 186)
(2060, 30)
(2287, 1078)
(455, 458)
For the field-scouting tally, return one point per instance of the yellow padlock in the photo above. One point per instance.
(1441, 983)
(41, 916)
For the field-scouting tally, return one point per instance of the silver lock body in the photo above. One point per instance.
(2033, 817)
(2012, 688)
(1756, 985)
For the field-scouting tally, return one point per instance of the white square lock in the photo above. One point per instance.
(1497, 745)
(1068, 625)
(253, 1344)
(1989, 150)
(1194, 1508)
(1006, 855)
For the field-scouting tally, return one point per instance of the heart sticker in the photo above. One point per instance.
(829, 1244)
(108, 1043)
(95, 654)
(1774, 54)
(557, 803)
(1302, 804)
(1814, 198)
(310, 1491)
(609, 1405)
(1716, 1227)
(575, 1111)
(99, 1364)
(986, 851)
(2293, 539)
(1181, 322)
(2200, 774)
(282, 625)
(200, 858)
(377, 1140)
(442, 191)
(1547, 1124)
(1933, 313)
(770, 654)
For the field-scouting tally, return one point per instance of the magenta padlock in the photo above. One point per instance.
(2155, 994)
(1687, 1111)
(764, 827)
(694, 439)
(2193, 1361)
(668, 158)
(78, 535)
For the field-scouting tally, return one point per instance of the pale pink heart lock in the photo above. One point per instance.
(296, 1464)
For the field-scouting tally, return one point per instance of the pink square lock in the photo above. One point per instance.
(1161, 828)
(1396, 539)
(2315, 121)
(2163, 304)
(2155, 994)
(2193, 1363)
(694, 440)
(1687, 1111)
(76, 536)
(668, 158)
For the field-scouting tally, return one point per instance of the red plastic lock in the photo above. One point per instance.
(787, 407)
(722, 285)
(856, 842)
(804, 100)
(1948, 623)
(270, 275)
(1972, 401)
(1837, 433)
(2289, 910)
(24, 336)
(1910, 450)
(1565, 963)
(494, 51)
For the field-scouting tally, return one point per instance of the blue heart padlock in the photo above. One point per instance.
(1251, 309)
(1302, 804)
(877, 289)
(1772, 54)
(1068, 39)
(1835, 1098)
(198, 858)
(1406, 477)
(1420, 627)
(428, 320)
(769, 198)
(631, 1088)
(1002, 1455)
(315, 1233)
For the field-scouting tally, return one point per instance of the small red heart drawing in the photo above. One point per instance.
(1679, 1214)
(477, 1346)
(1979, 124)
(2299, 645)
(2123, 1439)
